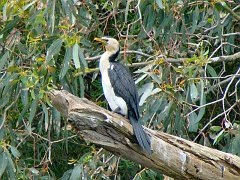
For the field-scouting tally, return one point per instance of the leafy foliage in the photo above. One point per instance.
(184, 88)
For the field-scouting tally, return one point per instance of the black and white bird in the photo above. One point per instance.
(120, 90)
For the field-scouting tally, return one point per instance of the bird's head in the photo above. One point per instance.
(111, 45)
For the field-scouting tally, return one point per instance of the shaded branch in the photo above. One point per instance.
(232, 57)
(171, 155)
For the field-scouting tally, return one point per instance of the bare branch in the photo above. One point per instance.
(232, 57)
(171, 155)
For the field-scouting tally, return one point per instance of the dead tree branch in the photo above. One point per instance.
(171, 155)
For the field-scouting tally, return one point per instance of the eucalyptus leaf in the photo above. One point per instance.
(82, 58)
(10, 165)
(54, 49)
(159, 3)
(24, 96)
(193, 92)
(77, 173)
(66, 61)
(147, 89)
(15, 152)
(34, 170)
(195, 19)
(193, 126)
(218, 137)
(3, 60)
(141, 78)
(33, 110)
(211, 71)
(10, 25)
(56, 118)
(216, 128)
(46, 116)
(76, 59)
(202, 101)
(3, 163)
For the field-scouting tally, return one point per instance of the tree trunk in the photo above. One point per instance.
(171, 155)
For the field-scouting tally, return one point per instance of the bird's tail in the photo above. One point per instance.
(142, 137)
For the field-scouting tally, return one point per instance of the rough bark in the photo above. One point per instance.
(171, 155)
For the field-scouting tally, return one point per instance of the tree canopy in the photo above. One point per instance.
(185, 60)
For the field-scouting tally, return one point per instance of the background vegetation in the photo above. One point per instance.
(172, 47)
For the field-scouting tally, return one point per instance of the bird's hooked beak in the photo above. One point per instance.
(100, 40)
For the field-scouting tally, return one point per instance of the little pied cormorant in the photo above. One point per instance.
(120, 90)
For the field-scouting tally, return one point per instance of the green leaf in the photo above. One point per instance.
(215, 128)
(159, 3)
(147, 89)
(10, 167)
(149, 19)
(76, 56)
(23, 112)
(52, 15)
(3, 163)
(178, 125)
(67, 174)
(54, 49)
(66, 61)
(24, 95)
(76, 173)
(211, 71)
(156, 78)
(15, 152)
(126, 12)
(141, 78)
(235, 146)
(202, 101)
(33, 110)
(195, 19)
(56, 119)
(218, 137)
(28, 5)
(3, 60)
(4, 12)
(165, 110)
(83, 16)
(193, 92)
(10, 25)
(193, 126)
(82, 58)
(46, 119)
(219, 27)
(34, 171)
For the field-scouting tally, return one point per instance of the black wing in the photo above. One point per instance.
(124, 86)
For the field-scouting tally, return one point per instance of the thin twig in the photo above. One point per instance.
(219, 115)
(226, 91)
(213, 102)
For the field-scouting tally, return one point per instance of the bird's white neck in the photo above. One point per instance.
(104, 60)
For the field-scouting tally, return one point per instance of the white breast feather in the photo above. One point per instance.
(114, 101)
